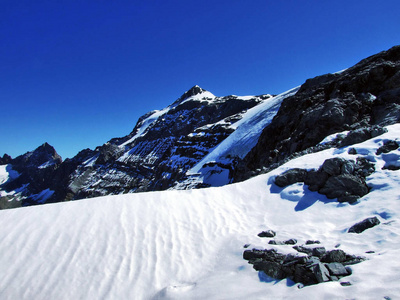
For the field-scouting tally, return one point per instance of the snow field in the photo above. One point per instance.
(189, 244)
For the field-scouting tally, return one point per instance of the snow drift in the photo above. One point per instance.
(189, 244)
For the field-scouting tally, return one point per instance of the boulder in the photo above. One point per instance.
(336, 255)
(344, 185)
(336, 178)
(315, 179)
(387, 147)
(364, 225)
(333, 166)
(253, 254)
(360, 135)
(303, 249)
(318, 251)
(321, 273)
(291, 176)
(337, 269)
(268, 233)
(290, 242)
(310, 242)
(270, 268)
(274, 242)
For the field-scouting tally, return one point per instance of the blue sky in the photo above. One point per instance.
(78, 73)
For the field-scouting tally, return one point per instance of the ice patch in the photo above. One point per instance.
(247, 132)
(7, 173)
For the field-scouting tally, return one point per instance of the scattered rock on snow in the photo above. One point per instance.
(387, 147)
(310, 242)
(306, 270)
(287, 242)
(268, 233)
(364, 225)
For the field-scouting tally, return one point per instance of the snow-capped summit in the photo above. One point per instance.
(196, 93)
(195, 90)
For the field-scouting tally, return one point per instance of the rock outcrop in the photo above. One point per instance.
(336, 178)
(362, 96)
(317, 267)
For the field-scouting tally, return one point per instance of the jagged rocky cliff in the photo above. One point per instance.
(154, 156)
(359, 100)
(202, 140)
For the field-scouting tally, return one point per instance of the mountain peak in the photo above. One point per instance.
(195, 90)
(45, 153)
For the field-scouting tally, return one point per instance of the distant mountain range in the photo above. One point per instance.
(201, 140)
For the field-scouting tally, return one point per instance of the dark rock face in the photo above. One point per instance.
(336, 178)
(364, 225)
(361, 97)
(170, 145)
(308, 270)
(36, 171)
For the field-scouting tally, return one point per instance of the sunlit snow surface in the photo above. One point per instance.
(247, 131)
(189, 244)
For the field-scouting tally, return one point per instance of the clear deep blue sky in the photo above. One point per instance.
(78, 73)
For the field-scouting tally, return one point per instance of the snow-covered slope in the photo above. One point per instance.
(213, 169)
(189, 244)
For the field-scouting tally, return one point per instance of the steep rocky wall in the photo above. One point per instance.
(364, 95)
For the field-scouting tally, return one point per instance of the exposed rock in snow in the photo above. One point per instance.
(336, 178)
(318, 267)
(364, 225)
(268, 233)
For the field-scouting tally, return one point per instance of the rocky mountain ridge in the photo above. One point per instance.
(179, 147)
(154, 156)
